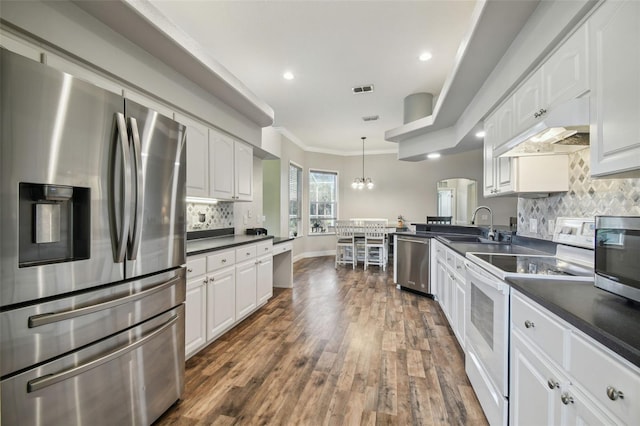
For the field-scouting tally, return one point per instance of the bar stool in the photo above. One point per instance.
(375, 245)
(345, 244)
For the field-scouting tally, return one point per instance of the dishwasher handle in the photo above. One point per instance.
(417, 241)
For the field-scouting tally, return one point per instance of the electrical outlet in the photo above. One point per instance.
(249, 214)
(552, 226)
(533, 225)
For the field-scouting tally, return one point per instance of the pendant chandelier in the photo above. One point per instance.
(361, 182)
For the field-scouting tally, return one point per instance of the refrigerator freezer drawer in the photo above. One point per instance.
(36, 333)
(130, 378)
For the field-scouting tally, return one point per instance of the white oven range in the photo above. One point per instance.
(487, 305)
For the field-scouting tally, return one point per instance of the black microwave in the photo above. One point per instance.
(617, 255)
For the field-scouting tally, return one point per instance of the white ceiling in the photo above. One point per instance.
(330, 46)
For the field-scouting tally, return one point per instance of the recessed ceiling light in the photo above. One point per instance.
(433, 155)
(288, 75)
(480, 134)
(425, 56)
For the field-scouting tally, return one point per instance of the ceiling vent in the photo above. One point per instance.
(367, 88)
(370, 118)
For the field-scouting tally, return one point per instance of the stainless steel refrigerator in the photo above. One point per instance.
(92, 245)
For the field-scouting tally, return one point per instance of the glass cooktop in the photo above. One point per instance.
(536, 265)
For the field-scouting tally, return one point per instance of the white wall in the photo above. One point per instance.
(401, 188)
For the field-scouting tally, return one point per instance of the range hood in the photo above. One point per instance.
(564, 130)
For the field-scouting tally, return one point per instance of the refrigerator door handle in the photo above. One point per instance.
(52, 317)
(50, 379)
(135, 233)
(121, 236)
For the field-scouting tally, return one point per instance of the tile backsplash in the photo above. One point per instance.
(216, 216)
(586, 197)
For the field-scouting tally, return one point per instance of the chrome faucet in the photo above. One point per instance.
(491, 234)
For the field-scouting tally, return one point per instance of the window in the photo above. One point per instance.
(295, 200)
(323, 201)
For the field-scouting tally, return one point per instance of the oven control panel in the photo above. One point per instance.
(575, 231)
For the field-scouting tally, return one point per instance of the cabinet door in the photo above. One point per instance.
(243, 172)
(221, 163)
(535, 388)
(246, 274)
(615, 82)
(442, 278)
(221, 302)
(459, 309)
(490, 138)
(527, 103)
(503, 173)
(197, 157)
(565, 73)
(265, 279)
(580, 410)
(195, 333)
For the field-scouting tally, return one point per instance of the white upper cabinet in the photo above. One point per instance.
(197, 157)
(562, 77)
(615, 80)
(221, 161)
(232, 174)
(490, 136)
(498, 172)
(243, 162)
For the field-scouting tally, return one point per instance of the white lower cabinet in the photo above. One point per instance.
(264, 283)
(223, 288)
(560, 376)
(450, 286)
(195, 333)
(221, 302)
(246, 280)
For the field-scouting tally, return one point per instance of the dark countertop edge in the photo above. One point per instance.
(280, 240)
(620, 347)
(225, 242)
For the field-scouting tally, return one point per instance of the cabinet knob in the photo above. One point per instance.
(529, 324)
(206, 280)
(189, 270)
(614, 394)
(224, 260)
(248, 254)
(553, 384)
(566, 398)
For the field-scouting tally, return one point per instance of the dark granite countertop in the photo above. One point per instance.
(204, 245)
(279, 240)
(609, 319)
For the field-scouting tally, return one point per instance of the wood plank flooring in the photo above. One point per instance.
(342, 347)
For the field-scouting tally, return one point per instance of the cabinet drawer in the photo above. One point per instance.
(595, 368)
(221, 259)
(543, 330)
(282, 248)
(264, 247)
(459, 269)
(246, 252)
(451, 258)
(197, 266)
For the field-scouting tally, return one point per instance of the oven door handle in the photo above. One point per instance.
(50, 379)
(487, 279)
(48, 318)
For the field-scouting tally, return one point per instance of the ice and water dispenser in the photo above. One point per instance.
(54, 224)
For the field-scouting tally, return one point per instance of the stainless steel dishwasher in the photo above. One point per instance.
(413, 263)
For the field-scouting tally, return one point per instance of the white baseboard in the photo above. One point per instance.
(314, 254)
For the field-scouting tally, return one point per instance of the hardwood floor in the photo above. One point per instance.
(341, 347)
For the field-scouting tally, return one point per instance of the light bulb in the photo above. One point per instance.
(370, 184)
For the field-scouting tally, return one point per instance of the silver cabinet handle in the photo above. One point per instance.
(48, 318)
(48, 380)
(529, 324)
(566, 398)
(224, 260)
(553, 384)
(614, 394)
(206, 280)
